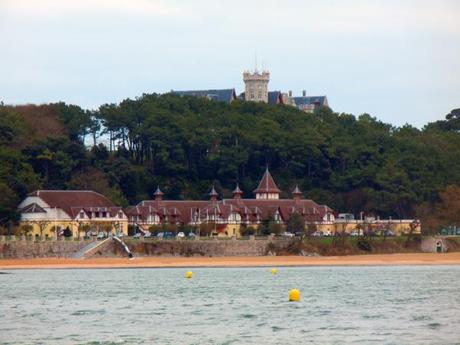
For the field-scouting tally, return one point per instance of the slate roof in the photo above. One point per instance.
(237, 190)
(219, 95)
(158, 192)
(296, 191)
(275, 97)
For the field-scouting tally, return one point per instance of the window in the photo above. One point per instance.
(235, 217)
(82, 214)
(104, 214)
(154, 219)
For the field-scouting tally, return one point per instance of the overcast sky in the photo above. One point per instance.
(397, 60)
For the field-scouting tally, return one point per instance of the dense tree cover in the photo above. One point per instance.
(185, 144)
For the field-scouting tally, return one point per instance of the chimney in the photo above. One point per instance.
(290, 93)
(304, 93)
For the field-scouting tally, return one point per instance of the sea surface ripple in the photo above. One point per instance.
(339, 305)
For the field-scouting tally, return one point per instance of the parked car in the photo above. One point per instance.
(354, 233)
(165, 235)
(370, 233)
(327, 233)
(148, 234)
(317, 234)
(137, 235)
(287, 234)
(191, 235)
(389, 233)
(101, 235)
(180, 235)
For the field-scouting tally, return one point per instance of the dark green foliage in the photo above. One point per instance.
(186, 144)
(364, 245)
(247, 230)
(264, 228)
(295, 224)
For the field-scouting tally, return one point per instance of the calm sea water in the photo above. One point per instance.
(340, 305)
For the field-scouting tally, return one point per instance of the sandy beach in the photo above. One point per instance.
(161, 262)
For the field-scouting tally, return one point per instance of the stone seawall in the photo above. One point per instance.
(42, 249)
(200, 248)
(28, 249)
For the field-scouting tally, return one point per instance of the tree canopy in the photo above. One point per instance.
(185, 144)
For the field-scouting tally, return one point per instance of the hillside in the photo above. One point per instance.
(184, 144)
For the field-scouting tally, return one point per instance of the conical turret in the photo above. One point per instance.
(267, 188)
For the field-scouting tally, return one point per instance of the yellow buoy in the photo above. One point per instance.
(274, 271)
(294, 295)
(188, 274)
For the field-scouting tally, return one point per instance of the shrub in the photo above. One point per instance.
(364, 245)
(247, 231)
(155, 229)
(275, 228)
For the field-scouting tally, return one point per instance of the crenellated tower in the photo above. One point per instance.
(256, 86)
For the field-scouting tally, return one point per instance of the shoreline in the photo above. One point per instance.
(234, 261)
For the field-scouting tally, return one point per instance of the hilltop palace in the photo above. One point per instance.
(256, 90)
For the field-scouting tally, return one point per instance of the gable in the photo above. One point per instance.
(32, 208)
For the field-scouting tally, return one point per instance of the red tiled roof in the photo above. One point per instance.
(267, 184)
(142, 211)
(182, 208)
(71, 201)
(249, 209)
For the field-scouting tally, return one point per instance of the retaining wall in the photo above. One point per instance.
(28, 249)
(23, 249)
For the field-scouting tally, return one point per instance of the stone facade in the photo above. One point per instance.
(22, 249)
(208, 248)
(256, 86)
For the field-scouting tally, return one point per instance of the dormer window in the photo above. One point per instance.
(154, 218)
(235, 217)
(82, 214)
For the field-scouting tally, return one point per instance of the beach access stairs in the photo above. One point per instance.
(90, 249)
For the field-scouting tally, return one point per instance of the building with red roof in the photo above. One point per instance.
(70, 212)
(229, 215)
